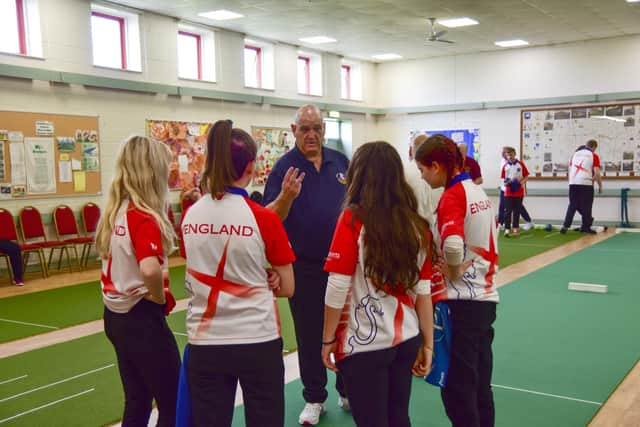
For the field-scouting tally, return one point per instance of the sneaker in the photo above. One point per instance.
(563, 230)
(506, 232)
(343, 403)
(515, 232)
(20, 283)
(589, 231)
(310, 414)
(528, 226)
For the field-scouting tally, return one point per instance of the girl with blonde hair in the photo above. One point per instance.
(133, 238)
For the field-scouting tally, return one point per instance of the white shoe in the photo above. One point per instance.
(343, 403)
(310, 414)
(506, 233)
(528, 226)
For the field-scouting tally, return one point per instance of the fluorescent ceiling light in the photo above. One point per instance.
(386, 56)
(633, 1)
(221, 15)
(318, 40)
(615, 119)
(458, 22)
(512, 43)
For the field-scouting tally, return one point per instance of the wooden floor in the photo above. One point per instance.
(621, 409)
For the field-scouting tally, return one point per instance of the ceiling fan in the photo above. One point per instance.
(436, 36)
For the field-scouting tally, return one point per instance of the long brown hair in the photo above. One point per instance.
(395, 234)
(438, 148)
(229, 151)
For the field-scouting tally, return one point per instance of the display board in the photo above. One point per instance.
(48, 155)
(550, 136)
(188, 142)
(469, 136)
(272, 144)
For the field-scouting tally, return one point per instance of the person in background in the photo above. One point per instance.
(467, 239)
(256, 196)
(427, 197)
(12, 249)
(232, 319)
(379, 263)
(502, 209)
(514, 174)
(309, 212)
(584, 170)
(133, 239)
(469, 164)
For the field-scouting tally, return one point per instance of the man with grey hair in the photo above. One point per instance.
(310, 219)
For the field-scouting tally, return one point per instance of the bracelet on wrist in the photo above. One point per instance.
(330, 342)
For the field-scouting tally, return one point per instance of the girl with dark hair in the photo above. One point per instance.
(378, 313)
(232, 319)
(467, 240)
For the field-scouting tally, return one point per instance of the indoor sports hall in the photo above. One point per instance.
(77, 78)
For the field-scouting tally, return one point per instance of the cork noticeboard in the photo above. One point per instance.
(48, 155)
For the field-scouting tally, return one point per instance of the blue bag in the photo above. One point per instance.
(183, 407)
(441, 346)
(514, 186)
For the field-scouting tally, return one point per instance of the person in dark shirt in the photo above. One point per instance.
(309, 213)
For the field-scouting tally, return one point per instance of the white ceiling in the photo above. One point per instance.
(367, 27)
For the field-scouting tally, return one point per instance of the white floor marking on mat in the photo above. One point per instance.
(555, 233)
(46, 405)
(180, 333)
(547, 394)
(10, 380)
(30, 324)
(56, 383)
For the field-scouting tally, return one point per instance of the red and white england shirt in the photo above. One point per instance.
(371, 319)
(228, 242)
(516, 170)
(581, 167)
(136, 236)
(465, 210)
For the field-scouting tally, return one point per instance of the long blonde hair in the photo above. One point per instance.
(142, 176)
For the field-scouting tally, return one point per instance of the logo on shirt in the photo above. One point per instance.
(341, 178)
(154, 247)
(120, 230)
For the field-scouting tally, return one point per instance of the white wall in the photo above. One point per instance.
(594, 67)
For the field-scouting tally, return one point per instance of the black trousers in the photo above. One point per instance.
(148, 360)
(502, 211)
(213, 372)
(379, 384)
(581, 200)
(13, 250)
(467, 397)
(512, 217)
(307, 310)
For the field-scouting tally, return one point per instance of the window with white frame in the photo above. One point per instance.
(20, 27)
(258, 64)
(309, 74)
(351, 81)
(115, 38)
(196, 53)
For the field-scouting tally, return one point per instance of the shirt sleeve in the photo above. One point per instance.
(596, 160)
(273, 186)
(146, 238)
(451, 213)
(276, 242)
(343, 252)
(502, 171)
(525, 171)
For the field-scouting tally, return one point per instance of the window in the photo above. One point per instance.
(196, 53)
(345, 82)
(351, 80)
(115, 39)
(309, 73)
(20, 27)
(258, 65)
(304, 75)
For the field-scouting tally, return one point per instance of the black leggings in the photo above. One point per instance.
(13, 250)
(148, 360)
(378, 384)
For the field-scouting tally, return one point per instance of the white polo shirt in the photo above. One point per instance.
(581, 167)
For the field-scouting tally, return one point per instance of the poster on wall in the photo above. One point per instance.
(549, 138)
(2, 162)
(273, 143)
(41, 175)
(16, 158)
(469, 136)
(187, 141)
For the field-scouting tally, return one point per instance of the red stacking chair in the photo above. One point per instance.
(90, 215)
(67, 232)
(8, 232)
(32, 230)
